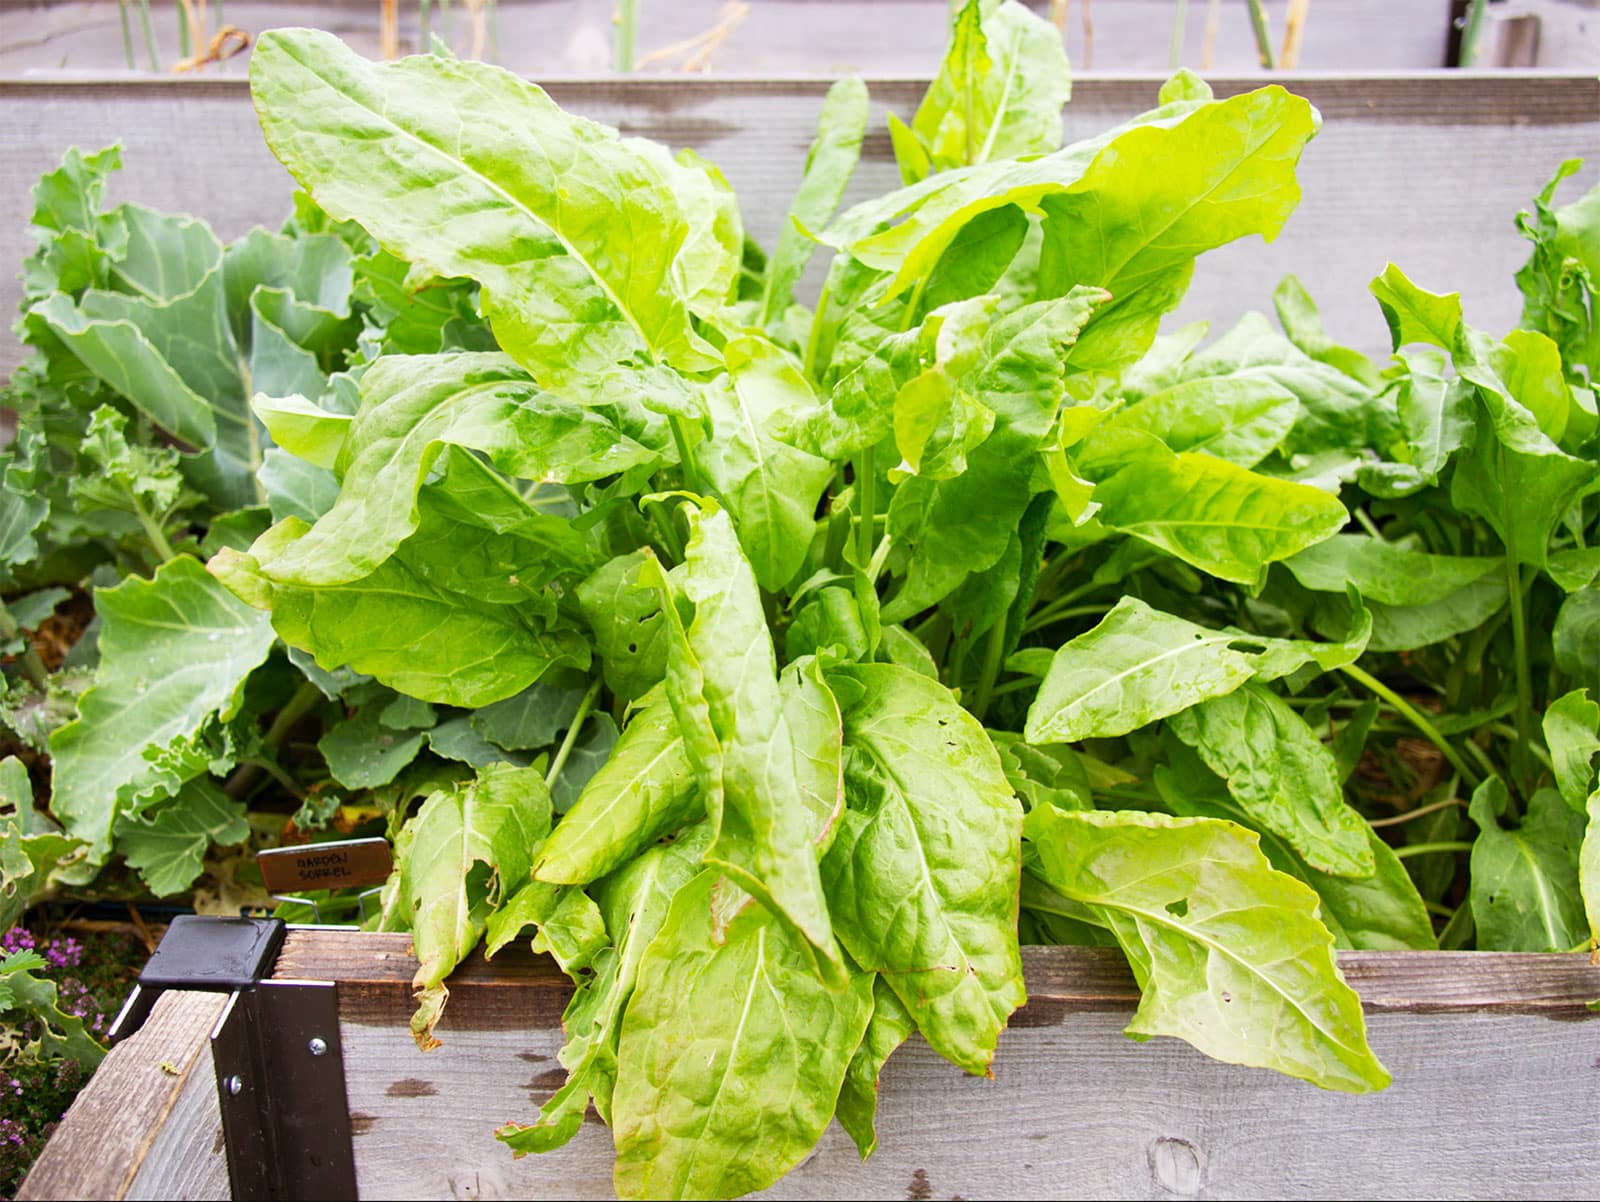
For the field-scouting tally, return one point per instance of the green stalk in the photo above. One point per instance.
(1519, 642)
(149, 35)
(424, 26)
(127, 32)
(184, 48)
(1055, 613)
(1258, 23)
(692, 479)
(627, 20)
(1428, 849)
(994, 650)
(152, 531)
(1415, 717)
(814, 337)
(1419, 812)
(866, 486)
(1179, 16)
(306, 698)
(578, 719)
(32, 666)
(1472, 33)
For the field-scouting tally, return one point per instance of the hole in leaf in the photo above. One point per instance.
(1178, 908)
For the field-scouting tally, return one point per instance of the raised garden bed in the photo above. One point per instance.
(1426, 164)
(837, 850)
(1495, 1093)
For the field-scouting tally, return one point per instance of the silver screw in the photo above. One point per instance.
(235, 1085)
(318, 1046)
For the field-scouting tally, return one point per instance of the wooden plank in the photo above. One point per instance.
(1074, 1109)
(1427, 171)
(799, 37)
(374, 972)
(1483, 1105)
(186, 1158)
(139, 1130)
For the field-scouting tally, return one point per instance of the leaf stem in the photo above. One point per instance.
(686, 458)
(866, 490)
(153, 532)
(567, 743)
(1471, 33)
(994, 649)
(275, 770)
(1419, 812)
(1519, 641)
(1415, 717)
(1258, 23)
(1428, 849)
(32, 666)
(127, 33)
(627, 22)
(1056, 613)
(305, 699)
(1179, 17)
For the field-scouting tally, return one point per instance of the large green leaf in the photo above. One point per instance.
(634, 902)
(735, 1054)
(645, 790)
(572, 232)
(1130, 204)
(175, 652)
(1525, 892)
(923, 877)
(415, 407)
(834, 152)
(1572, 733)
(1280, 774)
(1381, 912)
(469, 850)
(1137, 665)
(168, 845)
(1240, 419)
(1386, 572)
(1210, 513)
(723, 685)
(891, 1026)
(413, 632)
(1229, 953)
(771, 489)
(998, 94)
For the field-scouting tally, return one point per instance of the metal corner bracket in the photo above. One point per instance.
(276, 1052)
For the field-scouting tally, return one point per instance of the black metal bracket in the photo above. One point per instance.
(280, 1085)
(276, 1051)
(218, 955)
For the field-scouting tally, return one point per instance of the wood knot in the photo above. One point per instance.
(1177, 1165)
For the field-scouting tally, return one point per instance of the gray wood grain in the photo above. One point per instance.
(1496, 1094)
(1428, 172)
(139, 1129)
(186, 1160)
(1483, 1106)
(777, 37)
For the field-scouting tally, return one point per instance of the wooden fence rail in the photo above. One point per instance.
(1426, 171)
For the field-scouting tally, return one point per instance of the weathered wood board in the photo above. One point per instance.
(774, 37)
(152, 1102)
(1427, 171)
(1496, 1064)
